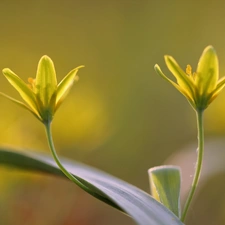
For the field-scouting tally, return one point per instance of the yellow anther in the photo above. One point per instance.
(31, 82)
(189, 70)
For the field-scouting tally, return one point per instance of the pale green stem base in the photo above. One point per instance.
(200, 127)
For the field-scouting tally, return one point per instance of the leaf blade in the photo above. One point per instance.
(165, 183)
(136, 203)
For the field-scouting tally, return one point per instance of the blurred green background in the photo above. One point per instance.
(120, 117)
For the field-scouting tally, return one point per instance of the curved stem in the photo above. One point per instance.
(200, 127)
(56, 158)
(93, 190)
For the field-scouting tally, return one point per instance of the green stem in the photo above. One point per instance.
(200, 127)
(92, 190)
(56, 158)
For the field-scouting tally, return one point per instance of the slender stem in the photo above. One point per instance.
(92, 190)
(200, 150)
(56, 158)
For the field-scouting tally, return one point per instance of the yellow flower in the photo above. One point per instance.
(42, 95)
(202, 87)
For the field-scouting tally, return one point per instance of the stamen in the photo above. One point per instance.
(30, 80)
(31, 83)
(189, 70)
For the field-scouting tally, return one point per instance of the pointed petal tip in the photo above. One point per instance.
(167, 56)
(169, 59)
(8, 73)
(210, 48)
(45, 58)
(156, 66)
(6, 70)
(79, 67)
(157, 69)
(159, 72)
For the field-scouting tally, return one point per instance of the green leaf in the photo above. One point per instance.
(139, 205)
(165, 186)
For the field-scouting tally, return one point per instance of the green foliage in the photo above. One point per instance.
(129, 199)
(165, 184)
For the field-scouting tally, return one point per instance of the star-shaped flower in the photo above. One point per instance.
(202, 87)
(42, 95)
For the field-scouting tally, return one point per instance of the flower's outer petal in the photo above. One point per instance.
(179, 88)
(23, 89)
(65, 85)
(21, 104)
(183, 80)
(46, 82)
(218, 89)
(207, 71)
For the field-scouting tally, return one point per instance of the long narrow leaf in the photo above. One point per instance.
(139, 205)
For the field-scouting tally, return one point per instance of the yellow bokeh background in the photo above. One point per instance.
(120, 116)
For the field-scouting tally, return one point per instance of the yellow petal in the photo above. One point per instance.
(183, 80)
(218, 89)
(46, 82)
(179, 88)
(65, 85)
(25, 92)
(207, 71)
